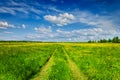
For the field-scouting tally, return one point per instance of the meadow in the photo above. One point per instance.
(59, 61)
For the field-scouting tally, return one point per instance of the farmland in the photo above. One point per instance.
(59, 61)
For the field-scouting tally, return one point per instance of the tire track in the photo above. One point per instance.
(75, 71)
(44, 72)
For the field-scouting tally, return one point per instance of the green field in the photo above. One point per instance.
(59, 61)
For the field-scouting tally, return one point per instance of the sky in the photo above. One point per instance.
(59, 20)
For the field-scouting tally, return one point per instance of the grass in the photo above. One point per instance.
(59, 61)
(20, 62)
(60, 69)
(97, 61)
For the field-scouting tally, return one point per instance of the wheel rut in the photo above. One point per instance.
(75, 71)
(44, 72)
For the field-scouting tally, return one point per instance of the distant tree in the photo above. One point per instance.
(115, 39)
(104, 40)
(109, 40)
(91, 41)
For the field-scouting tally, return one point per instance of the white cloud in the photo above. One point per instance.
(55, 9)
(95, 20)
(21, 7)
(25, 10)
(7, 32)
(5, 25)
(7, 10)
(64, 33)
(46, 34)
(61, 19)
(42, 36)
(43, 29)
(67, 15)
(37, 11)
(23, 26)
(14, 3)
(99, 27)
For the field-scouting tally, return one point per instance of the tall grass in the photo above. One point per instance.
(60, 70)
(20, 62)
(97, 62)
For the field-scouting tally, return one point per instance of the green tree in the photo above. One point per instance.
(109, 40)
(116, 39)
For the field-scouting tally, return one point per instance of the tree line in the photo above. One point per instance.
(114, 40)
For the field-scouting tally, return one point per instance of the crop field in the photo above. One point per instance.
(59, 61)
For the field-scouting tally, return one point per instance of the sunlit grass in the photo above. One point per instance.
(23, 60)
(97, 61)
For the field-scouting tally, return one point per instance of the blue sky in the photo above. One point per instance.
(59, 20)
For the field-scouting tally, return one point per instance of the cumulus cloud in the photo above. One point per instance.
(100, 27)
(5, 25)
(43, 29)
(61, 19)
(87, 34)
(73, 35)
